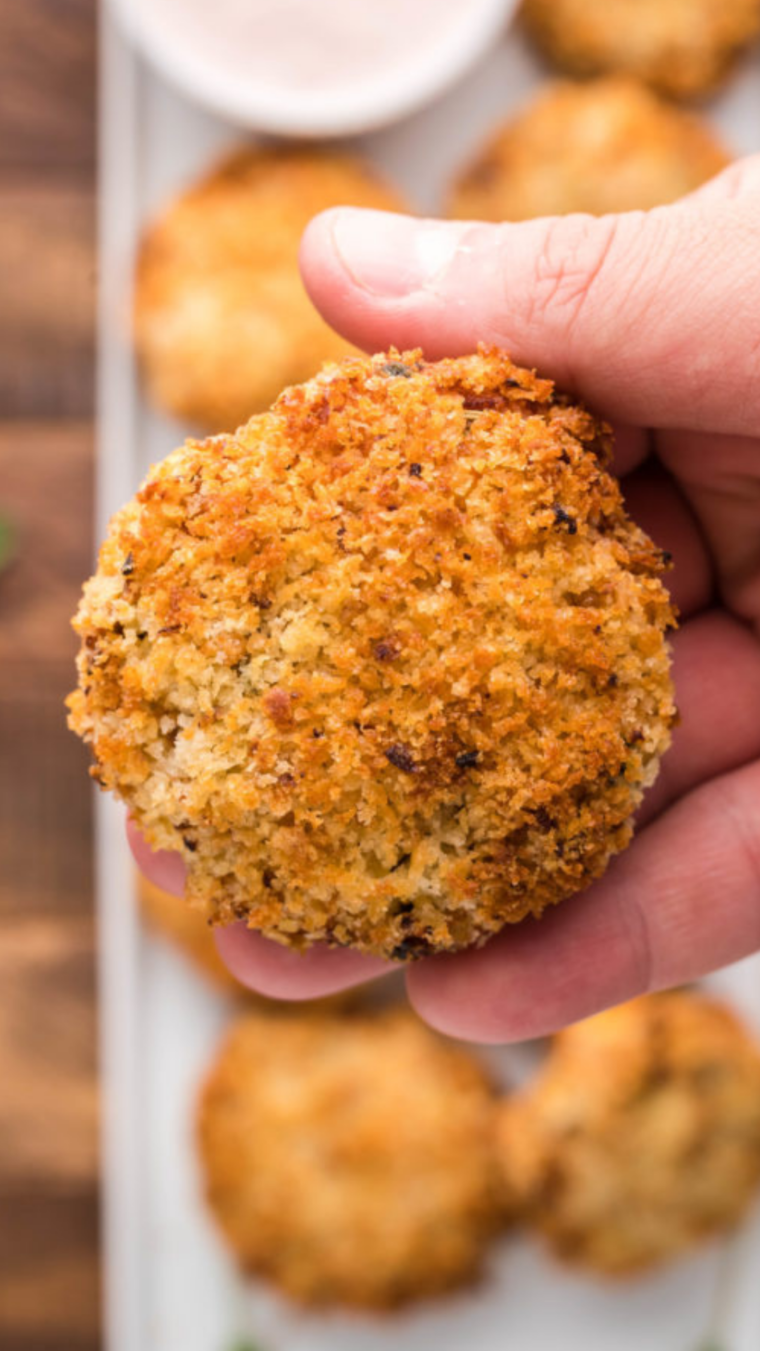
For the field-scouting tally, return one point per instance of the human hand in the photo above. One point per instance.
(654, 320)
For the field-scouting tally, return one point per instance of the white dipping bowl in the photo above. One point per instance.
(395, 91)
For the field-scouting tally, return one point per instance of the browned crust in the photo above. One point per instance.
(641, 1135)
(603, 146)
(351, 1161)
(221, 318)
(684, 48)
(389, 665)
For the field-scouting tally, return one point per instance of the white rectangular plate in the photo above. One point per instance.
(170, 1285)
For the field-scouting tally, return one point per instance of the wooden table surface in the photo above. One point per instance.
(49, 1297)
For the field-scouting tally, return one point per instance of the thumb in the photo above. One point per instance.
(654, 317)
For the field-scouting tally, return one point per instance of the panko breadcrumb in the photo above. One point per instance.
(606, 145)
(351, 1161)
(388, 666)
(222, 320)
(682, 47)
(640, 1136)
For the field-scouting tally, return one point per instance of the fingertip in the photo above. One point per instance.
(161, 867)
(317, 251)
(280, 973)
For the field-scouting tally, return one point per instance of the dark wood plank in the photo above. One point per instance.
(49, 1292)
(47, 84)
(46, 492)
(45, 812)
(45, 800)
(47, 285)
(49, 1258)
(48, 1104)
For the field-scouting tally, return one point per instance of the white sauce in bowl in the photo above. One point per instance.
(307, 45)
(314, 67)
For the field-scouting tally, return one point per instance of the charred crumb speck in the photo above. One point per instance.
(141, 635)
(128, 566)
(267, 878)
(467, 759)
(467, 557)
(169, 628)
(563, 457)
(415, 470)
(544, 820)
(397, 368)
(413, 946)
(671, 626)
(316, 732)
(667, 557)
(402, 907)
(261, 602)
(189, 844)
(635, 738)
(385, 651)
(562, 517)
(612, 681)
(401, 758)
(559, 848)
(118, 629)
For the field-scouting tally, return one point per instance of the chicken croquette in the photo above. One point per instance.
(684, 48)
(388, 666)
(222, 320)
(605, 146)
(351, 1161)
(640, 1136)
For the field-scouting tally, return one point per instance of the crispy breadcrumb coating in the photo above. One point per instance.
(603, 146)
(682, 47)
(640, 1136)
(351, 1161)
(222, 320)
(388, 666)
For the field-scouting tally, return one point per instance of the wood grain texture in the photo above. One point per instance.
(46, 492)
(47, 290)
(47, 90)
(47, 1068)
(49, 1295)
(49, 1264)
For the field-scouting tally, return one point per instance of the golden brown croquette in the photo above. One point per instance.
(682, 47)
(222, 320)
(640, 1136)
(388, 665)
(351, 1161)
(603, 146)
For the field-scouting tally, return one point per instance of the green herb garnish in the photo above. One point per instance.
(7, 542)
